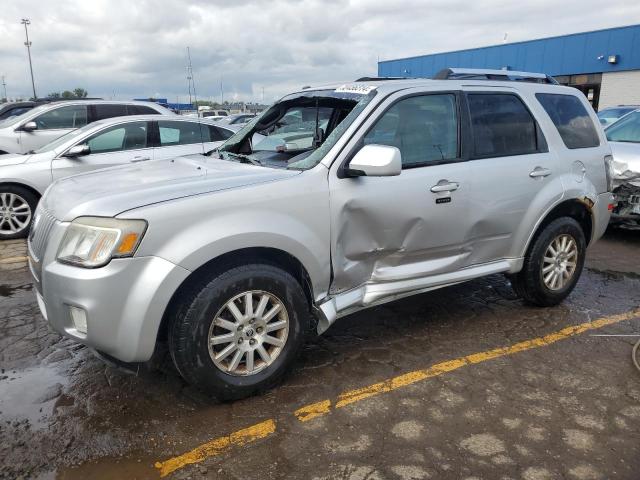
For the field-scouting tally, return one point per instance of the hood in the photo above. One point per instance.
(626, 162)
(114, 190)
(13, 159)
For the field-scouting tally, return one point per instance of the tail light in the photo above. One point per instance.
(608, 169)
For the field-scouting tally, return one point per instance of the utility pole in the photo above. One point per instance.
(4, 86)
(221, 93)
(25, 22)
(191, 79)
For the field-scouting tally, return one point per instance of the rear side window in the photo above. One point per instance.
(110, 111)
(141, 110)
(571, 119)
(183, 133)
(502, 126)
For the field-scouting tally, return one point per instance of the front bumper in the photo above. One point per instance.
(124, 301)
(626, 210)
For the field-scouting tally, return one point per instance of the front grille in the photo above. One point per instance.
(40, 229)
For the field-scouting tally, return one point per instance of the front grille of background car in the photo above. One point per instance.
(40, 230)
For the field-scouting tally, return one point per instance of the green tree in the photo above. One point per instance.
(54, 95)
(80, 93)
(67, 94)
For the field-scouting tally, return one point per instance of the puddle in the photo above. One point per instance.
(10, 290)
(30, 394)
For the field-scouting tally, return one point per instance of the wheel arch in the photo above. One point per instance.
(29, 188)
(580, 209)
(243, 256)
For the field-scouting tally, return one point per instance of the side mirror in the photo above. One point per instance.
(29, 127)
(375, 161)
(78, 151)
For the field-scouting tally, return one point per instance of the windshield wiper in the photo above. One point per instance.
(244, 158)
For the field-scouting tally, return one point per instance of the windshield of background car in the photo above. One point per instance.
(610, 115)
(19, 118)
(299, 130)
(627, 129)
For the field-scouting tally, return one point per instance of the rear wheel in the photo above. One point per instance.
(553, 264)
(241, 332)
(17, 205)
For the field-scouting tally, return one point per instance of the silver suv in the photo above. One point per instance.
(351, 196)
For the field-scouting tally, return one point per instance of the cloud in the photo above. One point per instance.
(132, 49)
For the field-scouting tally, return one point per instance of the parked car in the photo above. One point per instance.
(235, 119)
(393, 188)
(105, 143)
(12, 109)
(609, 115)
(213, 113)
(624, 139)
(43, 124)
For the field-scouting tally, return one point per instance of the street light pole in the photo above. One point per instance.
(4, 86)
(25, 22)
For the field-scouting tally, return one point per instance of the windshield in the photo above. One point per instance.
(610, 115)
(299, 130)
(627, 129)
(19, 118)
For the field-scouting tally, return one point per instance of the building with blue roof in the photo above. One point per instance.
(604, 64)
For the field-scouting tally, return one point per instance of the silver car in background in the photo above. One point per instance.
(610, 115)
(45, 123)
(624, 139)
(101, 144)
(360, 194)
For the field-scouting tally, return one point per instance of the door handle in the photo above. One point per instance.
(445, 186)
(539, 172)
(140, 159)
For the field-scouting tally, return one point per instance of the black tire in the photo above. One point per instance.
(27, 196)
(189, 330)
(529, 282)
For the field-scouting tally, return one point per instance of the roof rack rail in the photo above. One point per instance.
(482, 74)
(379, 79)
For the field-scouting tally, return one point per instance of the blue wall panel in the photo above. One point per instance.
(565, 55)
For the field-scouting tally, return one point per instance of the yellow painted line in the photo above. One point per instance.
(309, 412)
(217, 446)
(13, 259)
(318, 409)
(356, 395)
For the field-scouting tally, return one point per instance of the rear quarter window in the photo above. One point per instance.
(571, 118)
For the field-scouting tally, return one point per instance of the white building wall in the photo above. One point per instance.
(620, 88)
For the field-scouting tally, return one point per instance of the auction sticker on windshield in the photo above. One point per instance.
(361, 89)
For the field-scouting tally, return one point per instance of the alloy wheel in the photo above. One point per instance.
(15, 213)
(248, 333)
(559, 262)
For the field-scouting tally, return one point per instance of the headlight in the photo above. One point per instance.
(92, 242)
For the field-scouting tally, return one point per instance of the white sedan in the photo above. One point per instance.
(101, 144)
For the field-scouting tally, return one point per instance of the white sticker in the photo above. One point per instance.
(361, 89)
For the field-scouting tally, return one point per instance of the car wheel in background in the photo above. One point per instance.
(17, 206)
(240, 333)
(553, 264)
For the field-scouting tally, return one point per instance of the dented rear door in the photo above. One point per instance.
(387, 229)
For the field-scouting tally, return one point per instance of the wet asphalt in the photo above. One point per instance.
(570, 410)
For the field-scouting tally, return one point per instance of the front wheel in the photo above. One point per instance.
(16, 211)
(553, 264)
(241, 332)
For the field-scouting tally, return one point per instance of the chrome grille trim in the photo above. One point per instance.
(43, 222)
